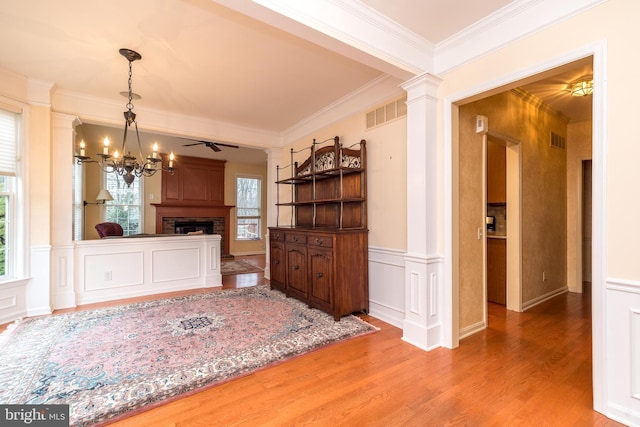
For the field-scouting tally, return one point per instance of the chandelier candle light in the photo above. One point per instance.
(127, 165)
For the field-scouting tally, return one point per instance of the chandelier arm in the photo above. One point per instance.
(124, 138)
(139, 145)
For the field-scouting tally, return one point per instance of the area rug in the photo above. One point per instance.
(230, 267)
(109, 363)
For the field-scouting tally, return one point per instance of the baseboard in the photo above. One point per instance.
(248, 253)
(472, 329)
(542, 298)
(387, 314)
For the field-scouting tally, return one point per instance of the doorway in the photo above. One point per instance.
(503, 253)
(542, 174)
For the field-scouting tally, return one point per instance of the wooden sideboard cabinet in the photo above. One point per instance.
(321, 258)
(327, 269)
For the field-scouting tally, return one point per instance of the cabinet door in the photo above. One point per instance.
(496, 173)
(497, 271)
(277, 263)
(321, 278)
(297, 278)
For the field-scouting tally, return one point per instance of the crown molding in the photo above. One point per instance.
(356, 102)
(513, 22)
(109, 113)
(25, 89)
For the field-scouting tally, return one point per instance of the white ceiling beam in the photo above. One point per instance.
(347, 27)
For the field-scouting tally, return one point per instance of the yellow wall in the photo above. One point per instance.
(613, 22)
(543, 198)
(39, 188)
(579, 138)
(386, 174)
(152, 187)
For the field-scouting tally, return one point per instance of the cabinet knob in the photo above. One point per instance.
(319, 275)
(294, 238)
(295, 267)
(276, 262)
(319, 241)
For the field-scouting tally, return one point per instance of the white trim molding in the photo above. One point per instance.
(386, 285)
(507, 25)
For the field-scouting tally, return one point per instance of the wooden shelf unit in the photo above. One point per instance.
(321, 258)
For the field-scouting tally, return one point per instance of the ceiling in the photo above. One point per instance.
(202, 59)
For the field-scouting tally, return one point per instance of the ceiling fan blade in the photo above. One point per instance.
(211, 144)
(226, 145)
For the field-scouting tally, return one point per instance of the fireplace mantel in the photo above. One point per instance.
(194, 190)
(169, 210)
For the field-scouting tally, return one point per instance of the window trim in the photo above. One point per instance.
(140, 205)
(21, 257)
(260, 208)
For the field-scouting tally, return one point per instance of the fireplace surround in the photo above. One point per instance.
(168, 216)
(195, 193)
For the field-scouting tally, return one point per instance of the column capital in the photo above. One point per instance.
(423, 85)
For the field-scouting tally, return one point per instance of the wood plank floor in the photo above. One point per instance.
(526, 369)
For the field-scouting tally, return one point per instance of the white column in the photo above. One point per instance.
(62, 284)
(274, 158)
(423, 320)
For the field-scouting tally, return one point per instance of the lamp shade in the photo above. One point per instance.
(104, 195)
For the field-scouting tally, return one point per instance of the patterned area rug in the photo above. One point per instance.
(230, 267)
(109, 362)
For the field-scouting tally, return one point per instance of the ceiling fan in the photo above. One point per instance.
(215, 146)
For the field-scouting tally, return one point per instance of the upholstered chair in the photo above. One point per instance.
(107, 229)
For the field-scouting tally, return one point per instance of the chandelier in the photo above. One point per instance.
(127, 165)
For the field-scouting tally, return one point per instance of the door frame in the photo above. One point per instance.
(598, 51)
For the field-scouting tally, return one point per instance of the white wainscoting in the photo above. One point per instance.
(13, 301)
(386, 285)
(622, 339)
(28, 296)
(110, 269)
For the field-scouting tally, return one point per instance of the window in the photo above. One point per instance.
(126, 206)
(78, 202)
(248, 199)
(5, 224)
(9, 138)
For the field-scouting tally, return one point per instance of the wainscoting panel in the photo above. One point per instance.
(175, 264)
(12, 302)
(386, 285)
(113, 270)
(622, 334)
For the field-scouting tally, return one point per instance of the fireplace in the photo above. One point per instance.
(185, 227)
(171, 219)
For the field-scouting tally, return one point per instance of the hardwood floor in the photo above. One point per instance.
(525, 369)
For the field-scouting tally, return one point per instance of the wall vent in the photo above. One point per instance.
(387, 112)
(558, 141)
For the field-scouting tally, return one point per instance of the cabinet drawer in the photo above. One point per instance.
(321, 241)
(276, 236)
(296, 238)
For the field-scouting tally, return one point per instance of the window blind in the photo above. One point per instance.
(8, 142)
